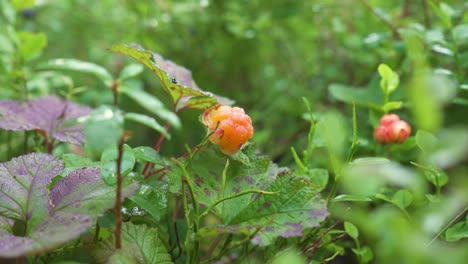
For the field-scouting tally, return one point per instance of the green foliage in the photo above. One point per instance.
(140, 245)
(324, 190)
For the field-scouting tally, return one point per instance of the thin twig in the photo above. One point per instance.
(392, 27)
(118, 202)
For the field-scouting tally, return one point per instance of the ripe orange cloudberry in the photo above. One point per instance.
(231, 127)
(392, 130)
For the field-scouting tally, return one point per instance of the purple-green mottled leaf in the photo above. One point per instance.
(176, 80)
(294, 206)
(23, 186)
(140, 245)
(51, 218)
(46, 114)
(6, 224)
(83, 191)
(54, 231)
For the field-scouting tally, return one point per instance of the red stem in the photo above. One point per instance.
(148, 166)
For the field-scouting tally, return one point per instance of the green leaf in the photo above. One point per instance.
(293, 207)
(426, 141)
(109, 163)
(351, 198)
(103, 128)
(80, 66)
(176, 80)
(74, 161)
(394, 105)
(22, 4)
(149, 205)
(147, 121)
(365, 254)
(8, 11)
(444, 12)
(390, 79)
(365, 97)
(351, 229)
(152, 104)
(147, 154)
(436, 177)
(130, 71)
(31, 45)
(318, 177)
(460, 34)
(383, 197)
(457, 231)
(402, 198)
(140, 245)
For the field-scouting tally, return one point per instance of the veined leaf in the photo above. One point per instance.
(176, 80)
(152, 104)
(140, 245)
(147, 121)
(47, 114)
(80, 66)
(72, 207)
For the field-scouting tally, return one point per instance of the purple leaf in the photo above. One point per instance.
(74, 204)
(23, 186)
(47, 114)
(6, 224)
(84, 191)
(53, 232)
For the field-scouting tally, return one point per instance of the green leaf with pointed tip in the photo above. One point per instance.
(402, 198)
(390, 79)
(80, 66)
(130, 71)
(103, 128)
(176, 80)
(460, 34)
(32, 44)
(147, 121)
(365, 254)
(392, 106)
(365, 97)
(140, 245)
(109, 163)
(436, 177)
(426, 141)
(318, 177)
(152, 104)
(147, 154)
(351, 198)
(444, 12)
(457, 231)
(351, 229)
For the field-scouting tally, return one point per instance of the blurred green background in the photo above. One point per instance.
(267, 55)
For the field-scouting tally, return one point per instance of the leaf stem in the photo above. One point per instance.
(148, 167)
(115, 91)
(449, 224)
(118, 202)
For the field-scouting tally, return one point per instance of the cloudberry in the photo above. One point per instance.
(231, 127)
(392, 130)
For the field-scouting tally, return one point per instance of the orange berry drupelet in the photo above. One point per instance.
(231, 127)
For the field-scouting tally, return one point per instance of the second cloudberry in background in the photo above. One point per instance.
(231, 127)
(392, 130)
